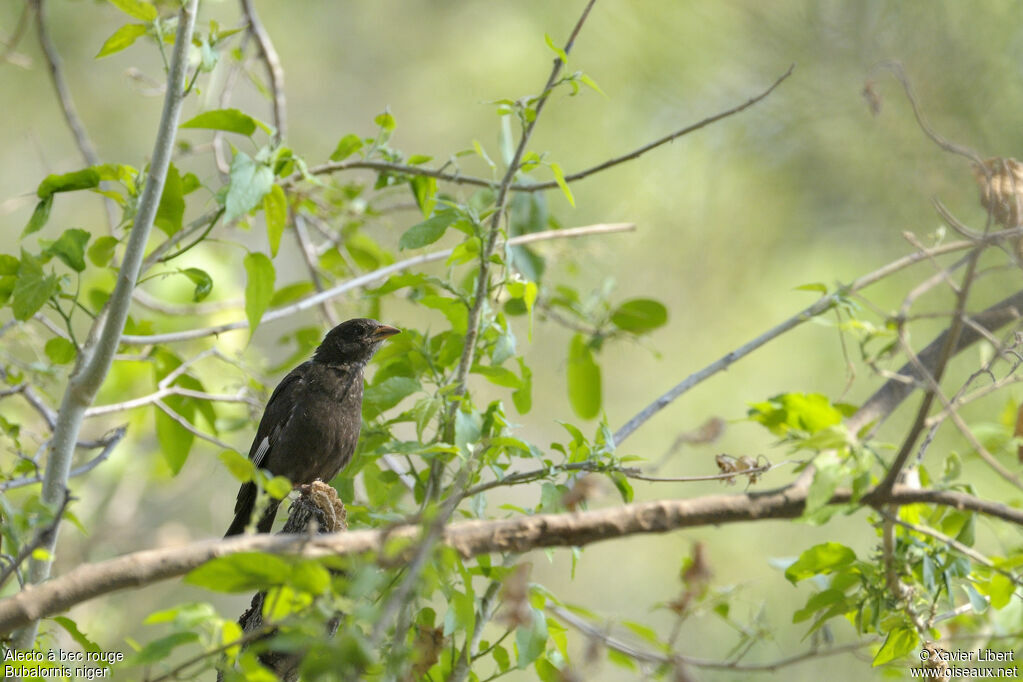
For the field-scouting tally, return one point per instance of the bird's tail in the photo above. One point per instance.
(243, 512)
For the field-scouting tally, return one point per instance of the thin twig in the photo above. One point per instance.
(67, 104)
(191, 429)
(107, 443)
(16, 35)
(152, 398)
(820, 306)
(273, 68)
(361, 281)
(459, 179)
(308, 252)
(896, 69)
(648, 656)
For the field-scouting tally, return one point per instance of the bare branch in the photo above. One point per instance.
(361, 281)
(469, 538)
(884, 401)
(308, 252)
(821, 306)
(190, 428)
(159, 395)
(11, 44)
(273, 68)
(896, 69)
(655, 657)
(67, 104)
(107, 443)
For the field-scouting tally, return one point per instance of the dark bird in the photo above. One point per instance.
(311, 425)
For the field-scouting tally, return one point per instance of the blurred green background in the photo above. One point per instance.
(807, 186)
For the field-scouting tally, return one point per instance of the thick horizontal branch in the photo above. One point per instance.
(361, 281)
(470, 538)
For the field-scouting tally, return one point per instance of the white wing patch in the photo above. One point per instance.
(260, 455)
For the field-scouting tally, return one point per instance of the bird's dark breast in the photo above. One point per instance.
(324, 427)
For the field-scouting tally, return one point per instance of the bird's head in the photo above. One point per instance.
(353, 341)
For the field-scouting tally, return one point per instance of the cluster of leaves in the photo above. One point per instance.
(936, 575)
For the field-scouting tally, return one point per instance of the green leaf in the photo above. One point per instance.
(102, 250)
(348, 145)
(87, 178)
(810, 412)
(171, 210)
(424, 190)
(275, 209)
(242, 572)
(523, 397)
(228, 120)
(501, 657)
(8, 264)
(822, 558)
(557, 50)
(203, 283)
(584, 392)
(32, 289)
(468, 428)
(83, 641)
(159, 649)
(978, 602)
(640, 315)
(241, 467)
(453, 309)
(250, 181)
(813, 286)
(825, 481)
(899, 642)
(70, 248)
(498, 375)
(531, 640)
(310, 576)
(121, 38)
(388, 393)
(291, 292)
(428, 231)
(136, 8)
(592, 84)
(60, 350)
(466, 251)
(559, 177)
(175, 440)
(547, 671)
(1000, 590)
(817, 602)
(259, 288)
(39, 216)
(278, 487)
(385, 121)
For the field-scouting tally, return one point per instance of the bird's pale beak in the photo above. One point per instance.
(384, 331)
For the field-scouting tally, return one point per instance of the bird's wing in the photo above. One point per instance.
(277, 413)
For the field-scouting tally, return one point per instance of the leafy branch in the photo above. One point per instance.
(98, 352)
